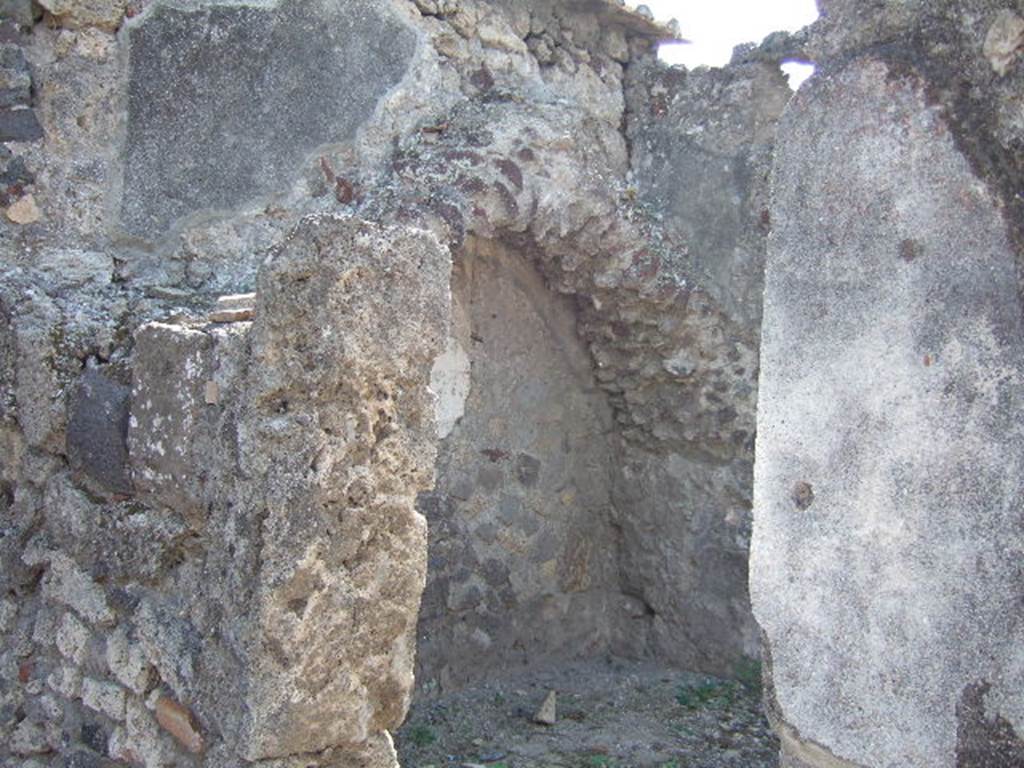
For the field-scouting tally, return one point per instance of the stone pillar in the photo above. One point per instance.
(295, 447)
(887, 570)
(338, 438)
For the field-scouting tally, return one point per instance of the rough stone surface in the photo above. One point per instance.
(890, 383)
(522, 550)
(252, 550)
(1004, 40)
(234, 119)
(15, 77)
(701, 147)
(701, 158)
(19, 11)
(166, 428)
(106, 14)
(342, 445)
(105, 698)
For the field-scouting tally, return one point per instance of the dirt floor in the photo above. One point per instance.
(610, 714)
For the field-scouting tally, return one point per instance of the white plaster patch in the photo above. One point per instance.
(449, 381)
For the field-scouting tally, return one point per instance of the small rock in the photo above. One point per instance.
(15, 78)
(546, 714)
(615, 45)
(231, 315)
(167, 292)
(29, 738)
(211, 393)
(97, 432)
(236, 301)
(72, 639)
(75, 14)
(24, 211)
(8, 613)
(1003, 41)
(66, 583)
(127, 661)
(19, 125)
(18, 11)
(67, 681)
(103, 697)
(180, 723)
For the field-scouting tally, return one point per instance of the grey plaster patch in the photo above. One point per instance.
(225, 101)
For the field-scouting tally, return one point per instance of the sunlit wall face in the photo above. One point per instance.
(714, 27)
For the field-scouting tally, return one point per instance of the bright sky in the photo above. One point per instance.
(715, 26)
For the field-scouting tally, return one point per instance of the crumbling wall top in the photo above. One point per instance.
(633, 21)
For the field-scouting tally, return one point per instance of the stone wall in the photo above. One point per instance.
(886, 561)
(686, 376)
(227, 294)
(523, 559)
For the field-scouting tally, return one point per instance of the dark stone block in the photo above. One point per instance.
(510, 508)
(15, 77)
(94, 736)
(19, 12)
(984, 739)
(14, 176)
(225, 102)
(14, 171)
(490, 478)
(85, 759)
(19, 125)
(434, 506)
(98, 430)
(495, 573)
(527, 469)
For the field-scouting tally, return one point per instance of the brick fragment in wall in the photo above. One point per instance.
(179, 721)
